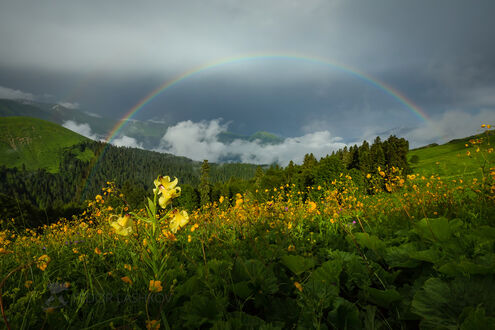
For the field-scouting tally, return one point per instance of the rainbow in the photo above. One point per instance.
(401, 98)
(387, 89)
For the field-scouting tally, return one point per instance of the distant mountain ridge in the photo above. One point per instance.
(147, 133)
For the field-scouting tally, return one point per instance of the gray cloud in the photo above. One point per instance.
(83, 129)
(126, 141)
(108, 55)
(200, 141)
(70, 105)
(450, 125)
(15, 94)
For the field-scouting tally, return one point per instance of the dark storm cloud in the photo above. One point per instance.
(108, 55)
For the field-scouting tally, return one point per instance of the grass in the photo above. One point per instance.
(449, 160)
(34, 143)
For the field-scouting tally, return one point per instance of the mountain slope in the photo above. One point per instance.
(34, 143)
(451, 159)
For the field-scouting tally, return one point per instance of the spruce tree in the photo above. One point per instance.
(204, 183)
(377, 153)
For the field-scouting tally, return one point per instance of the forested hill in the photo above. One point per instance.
(78, 168)
(47, 168)
(38, 196)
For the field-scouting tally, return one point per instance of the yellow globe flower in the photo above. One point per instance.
(311, 206)
(156, 286)
(123, 225)
(179, 220)
(43, 262)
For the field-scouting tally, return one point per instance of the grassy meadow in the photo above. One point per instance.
(34, 143)
(417, 252)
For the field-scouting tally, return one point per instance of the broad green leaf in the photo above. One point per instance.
(242, 289)
(323, 285)
(260, 276)
(477, 319)
(344, 315)
(437, 229)
(240, 320)
(371, 242)
(297, 264)
(485, 265)
(202, 309)
(328, 272)
(355, 271)
(441, 304)
(430, 255)
(399, 256)
(383, 298)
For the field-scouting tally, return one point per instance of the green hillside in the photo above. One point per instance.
(452, 159)
(34, 143)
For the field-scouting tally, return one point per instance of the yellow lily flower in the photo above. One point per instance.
(123, 225)
(167, 195)
(165, 182)
(179, 220)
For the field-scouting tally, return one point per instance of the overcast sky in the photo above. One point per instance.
(104, 56)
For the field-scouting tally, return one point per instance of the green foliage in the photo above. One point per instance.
(297, 264)
(204, 183)
(34, 143)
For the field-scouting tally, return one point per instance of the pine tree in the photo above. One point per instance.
(364, 158)
(204, 183)
(377, 153)
(258, 177)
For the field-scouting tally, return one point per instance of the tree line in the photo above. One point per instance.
(38, 197)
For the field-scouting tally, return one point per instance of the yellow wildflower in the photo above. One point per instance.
(298, 286)
(97, 251)
(123, 226)
(156, 286)
(152, 325)
(43, 262)
(165, 182)
(4, 251)
(126, 279)
(179, 220)
(311, 206)
(238, 202)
